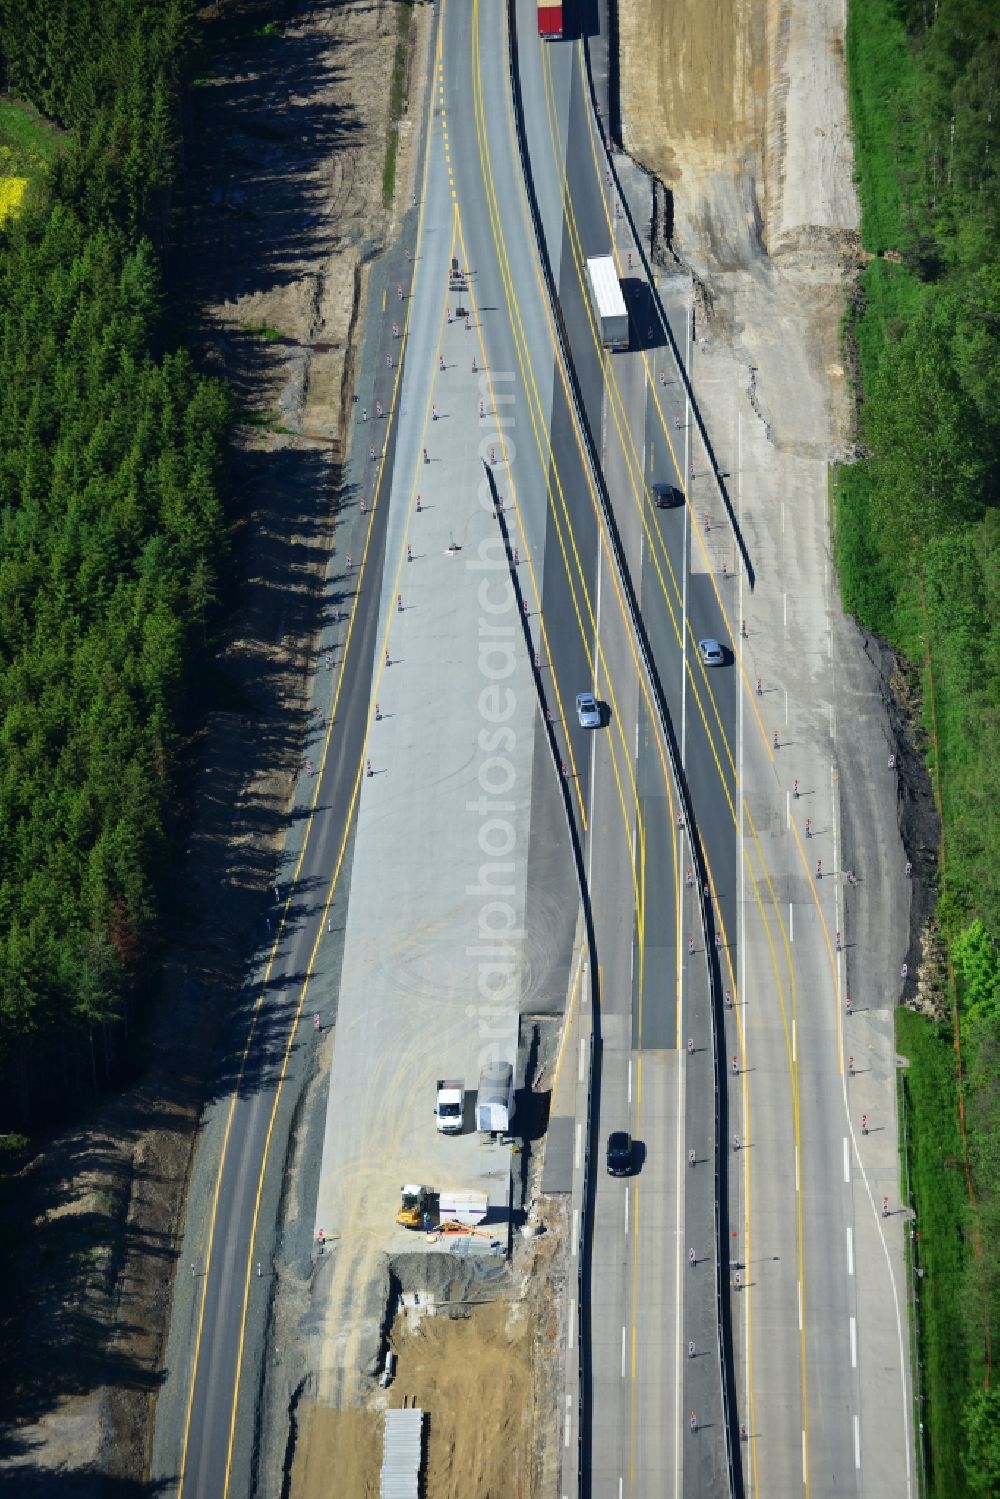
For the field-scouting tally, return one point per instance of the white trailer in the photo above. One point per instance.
(495, 1099)
(609, 304)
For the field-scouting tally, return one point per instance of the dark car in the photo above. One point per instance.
(666, 496)
(619, 1153)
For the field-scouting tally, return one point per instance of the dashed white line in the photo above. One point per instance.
(847, 1159)
(854, 1343)
(578, 1151)
(857, 1442)
(850, 1250)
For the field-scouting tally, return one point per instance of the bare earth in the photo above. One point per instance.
(744, 117)
(481, 1379)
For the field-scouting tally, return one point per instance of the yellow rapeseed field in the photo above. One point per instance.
(11, 192)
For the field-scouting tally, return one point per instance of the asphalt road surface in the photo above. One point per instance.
(804, 1301)
(803, 1179)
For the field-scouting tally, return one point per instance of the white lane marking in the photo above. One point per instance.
(685, 543)
(857, 1442)
(850, 1250)
(576, 1229)
(623, 1353)
(847, 1159)
(854, 1343)
(742, 945)
(880, 1228)
(593, 745)
(679, 1436)
(581, 1070)
(572, 1328)
(566, 1428)
(799, 1288)
(578, 1152)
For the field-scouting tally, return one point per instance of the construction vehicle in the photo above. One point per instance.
(550, 20)
(609, 304)
(444, 1212)
(449, 1112)
(495, 1099)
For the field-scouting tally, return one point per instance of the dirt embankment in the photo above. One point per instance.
(741, 110)
(482, 1375)
(280, 207)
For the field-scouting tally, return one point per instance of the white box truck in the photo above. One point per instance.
(609, 304)
(495, 1099)
(449, 1112)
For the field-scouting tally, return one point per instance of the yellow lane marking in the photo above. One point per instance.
(544, 446)
(655, 538)
(302, 998)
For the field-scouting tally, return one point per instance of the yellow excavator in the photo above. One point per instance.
(419, 1208)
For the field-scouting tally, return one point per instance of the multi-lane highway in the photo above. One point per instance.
(718, 1006)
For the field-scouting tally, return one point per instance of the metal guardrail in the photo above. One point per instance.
(583, 1260)
(682, 374)
(697, 852)
(726, 1360)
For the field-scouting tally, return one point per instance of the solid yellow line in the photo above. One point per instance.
(633, 463)
(243, 1060)
(534, 403)
(653, 533)
(616, 398)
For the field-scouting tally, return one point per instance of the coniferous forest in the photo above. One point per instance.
(112, 532)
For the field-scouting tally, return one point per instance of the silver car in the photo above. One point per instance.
(711, 652)
(588, 710)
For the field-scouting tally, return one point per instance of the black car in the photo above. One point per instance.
(665, 496)
(619, 1153)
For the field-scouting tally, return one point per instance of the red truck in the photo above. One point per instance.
(550, 20)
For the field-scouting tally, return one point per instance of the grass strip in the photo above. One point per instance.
(939, 1245)
(397, 98)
